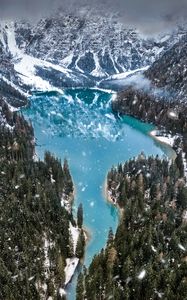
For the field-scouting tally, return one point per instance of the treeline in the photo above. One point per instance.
(153, 109)
(13, 95)
(147, 257)
(16, 135)
(35, 235)
(169, 116)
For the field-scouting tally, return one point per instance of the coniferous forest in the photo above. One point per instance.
(35, 236)
(146, 258)
(99, 82)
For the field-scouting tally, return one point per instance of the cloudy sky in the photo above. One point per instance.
(148, 15)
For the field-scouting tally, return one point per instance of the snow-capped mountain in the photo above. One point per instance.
(29, 72)
(74, 51)
(98, 46)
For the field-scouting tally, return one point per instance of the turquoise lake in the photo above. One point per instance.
(80, 126)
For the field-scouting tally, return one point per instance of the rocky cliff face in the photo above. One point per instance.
(69, 51)
(92, 45)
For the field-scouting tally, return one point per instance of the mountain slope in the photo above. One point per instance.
(163, 99)
(31, 73)
(99, 46)
(69, 51)
(170, 71)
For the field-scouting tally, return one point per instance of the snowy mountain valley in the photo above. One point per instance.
(93, 160)
(69, 51)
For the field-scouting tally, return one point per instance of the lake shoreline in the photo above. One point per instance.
(165, 141)
(109, 200)
(90, 155)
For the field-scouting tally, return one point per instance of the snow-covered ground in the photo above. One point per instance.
(75, 235)
(185, 164)
(97, 72)
(47, 261)
(142, 274)
(25, 65)
(169, 139)
(62, 292)
(124, 75)
(181, 247)
(65, 203)
(71, 265)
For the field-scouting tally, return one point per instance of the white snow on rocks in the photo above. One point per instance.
(169, 139)
(184, 163)
(153, 248)
(181, 247)
(142, 274)
(173, 115)
(126, 74)
(25, 65)
(65, 203)
(97, 72)
(75, 235)
(62, 292)
(46, 249)
(71, 265)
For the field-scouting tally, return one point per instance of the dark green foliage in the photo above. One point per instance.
(179, 163)
(80, 216)
(150, 108)
(34, 228)
(80, 287)
(80, 245)
(151, 236)
(110, 238)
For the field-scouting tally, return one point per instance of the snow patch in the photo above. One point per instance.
(75, 235)
(126, 74)
(181, 247)
(65, 202)
(184, 163)
(142, 274)
(153, 248)
(173, 115)
(169, 139)
(46, 249)
(25, 65)
(97, 72)
(71, 265)
(62, 292)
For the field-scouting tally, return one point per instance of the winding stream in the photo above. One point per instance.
(80, 126)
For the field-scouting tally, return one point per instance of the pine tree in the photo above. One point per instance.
(80, 287)
(80, 215)
(110, 239)
(60, 269)
(80, 245)
(182, 198)
(179, 163)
